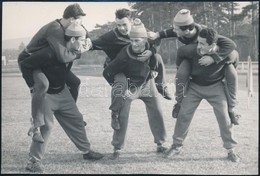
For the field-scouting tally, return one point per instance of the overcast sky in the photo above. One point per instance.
(24, 19)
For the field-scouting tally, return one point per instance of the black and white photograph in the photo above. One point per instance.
(106, 87)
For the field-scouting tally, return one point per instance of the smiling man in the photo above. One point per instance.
(141, 86)
(112, 43)
(206, 83)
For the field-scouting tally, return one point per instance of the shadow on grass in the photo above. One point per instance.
(127, 158)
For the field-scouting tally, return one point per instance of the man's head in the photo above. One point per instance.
(123, 21)
(207, 40)
(73, 13)
(138, 36)
(183, 23)
(75, 36)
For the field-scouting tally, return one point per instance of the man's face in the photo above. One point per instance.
(179, 32)
(123, 25)
(138, 44)
(203, 46)
(77, 44)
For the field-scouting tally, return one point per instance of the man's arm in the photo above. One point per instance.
(57, 42)
(104, 42)
(166, 33)
(226, 46)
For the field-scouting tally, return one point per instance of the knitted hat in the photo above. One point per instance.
(73, 10)
(183, 18)
(75, 30)
(138, 30)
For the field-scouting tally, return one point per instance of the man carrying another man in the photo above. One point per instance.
(141, 86)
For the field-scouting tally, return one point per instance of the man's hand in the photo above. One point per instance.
(206, 60)
(86, 46)
(154, 74)
(153, 35)
(144, 55)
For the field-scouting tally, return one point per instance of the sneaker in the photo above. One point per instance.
(37, 136)
(30, 131)
(234, 117)
(115, 155)
(175, 110)
(91, 155)
(161, 149)
(233, 157)
(34, 167)
(173, 150)
(115, 121)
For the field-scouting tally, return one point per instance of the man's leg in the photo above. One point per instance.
(117, 98)
(181, 83)
(231, 86)
(73, 82)
(119, 135)
(71, 120)
(37, 149)
(40, 87)
(217, 99)
(160, 79)
(188, 107)
(155, 115)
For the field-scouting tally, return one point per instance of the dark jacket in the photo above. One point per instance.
(46, 60)
(226, 45)
(203, 75)
(138, 72)
(113, 41)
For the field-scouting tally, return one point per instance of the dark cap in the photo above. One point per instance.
(73, 10)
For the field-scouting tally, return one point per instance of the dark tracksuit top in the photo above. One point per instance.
(201, 75)
(49, 36)
(113, 41)
(225, 44)
(126, 62)
(46, 60)
(52, 34)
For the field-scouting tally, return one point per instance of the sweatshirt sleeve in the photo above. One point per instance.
(57, 42)
(116, 66)
(104, 42)
(226, 46)
(167, 33)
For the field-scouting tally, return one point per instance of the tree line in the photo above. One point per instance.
(242, 27)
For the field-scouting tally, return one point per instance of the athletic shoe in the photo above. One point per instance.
(234, 117)
(175, 110)
(173, 150)
(233, 157)
(115, 155)
(91, 155)
(34, 167)
(37, 136)
(161, 149)
(115, 121)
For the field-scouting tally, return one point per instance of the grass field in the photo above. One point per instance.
(202, 154)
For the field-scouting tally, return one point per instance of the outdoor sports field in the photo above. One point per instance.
(202, 153)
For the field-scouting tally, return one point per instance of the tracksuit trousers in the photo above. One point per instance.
(215, 95)
(148, 94)
(64, 108)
